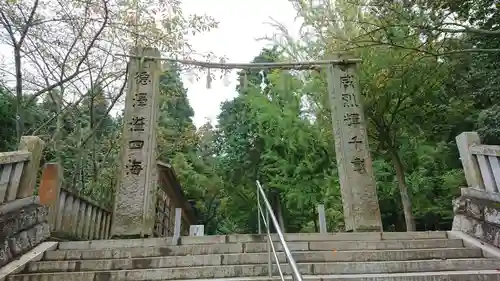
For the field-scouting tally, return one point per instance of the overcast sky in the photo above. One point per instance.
(241, 22)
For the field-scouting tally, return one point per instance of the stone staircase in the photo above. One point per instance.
(389, 256)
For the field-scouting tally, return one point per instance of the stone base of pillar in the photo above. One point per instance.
(369, 229)
(118, 237)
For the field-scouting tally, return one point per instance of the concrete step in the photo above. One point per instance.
(387, 245)
(245, 238)
(473, 275)
(480, 275)
(245, 259)
(228, 271)
(162, 249)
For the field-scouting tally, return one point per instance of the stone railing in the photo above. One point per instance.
(71, 215)
(174, 214)
(477, 210)
(23, 222)
(481, 162)
(11, 165)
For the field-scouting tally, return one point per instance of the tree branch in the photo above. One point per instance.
(82, 60)
(28, 23)
(113, 102)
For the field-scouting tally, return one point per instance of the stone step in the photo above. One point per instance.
(165, 250)
(229, 271)
(245, 238)
(256, 258)
(160, 248)
(479, 275)
(245, 259)
(473, 275)
(387, 245)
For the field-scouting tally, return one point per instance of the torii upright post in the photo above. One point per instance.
(135, 195)
(357, 182)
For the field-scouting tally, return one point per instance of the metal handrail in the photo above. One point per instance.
(269, 213)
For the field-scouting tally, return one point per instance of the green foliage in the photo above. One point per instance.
(7, 121)
(180, 144)
(415, 105)
(278, 129)
(177, 132)
(86, 151)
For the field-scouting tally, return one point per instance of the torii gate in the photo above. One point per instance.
(134, 205)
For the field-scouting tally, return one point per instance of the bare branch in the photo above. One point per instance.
(464, 29)
(113, 102)
(28, 23)
(82, 60)
(8, 27)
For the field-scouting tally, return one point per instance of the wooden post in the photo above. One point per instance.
(322, 219)
(50, 188)
(134, 205)
(34, 145)
(357, 182)
(469, 162)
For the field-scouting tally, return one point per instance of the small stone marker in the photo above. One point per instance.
(357, 182)
(322, 218)
(177, 226)
(197, 230)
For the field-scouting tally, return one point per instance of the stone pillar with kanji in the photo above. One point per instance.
(357, 181)
(134, 205)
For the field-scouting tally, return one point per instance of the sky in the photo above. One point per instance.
(241, 22)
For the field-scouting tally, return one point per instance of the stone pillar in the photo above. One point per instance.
(471, 168)
(134, 206)
(34, 145)
(177, 226)
(357, 182)
(322, 219)
(50, 191)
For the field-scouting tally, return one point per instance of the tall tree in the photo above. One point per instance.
(177, 132)
(181, 144)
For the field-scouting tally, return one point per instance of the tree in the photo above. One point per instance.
(60, 43)
(180, 143)
(406, 105)
(267, 134)
(64, 55)
(177, 132)
(29, 31)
